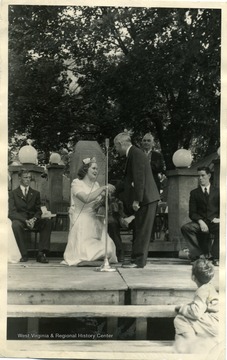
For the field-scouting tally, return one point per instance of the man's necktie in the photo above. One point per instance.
(26, 192)
(206, 194)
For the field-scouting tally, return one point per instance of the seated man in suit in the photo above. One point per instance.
(25, 212)
(204, 206)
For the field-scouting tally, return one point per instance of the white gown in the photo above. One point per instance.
(86, 240)
(14, 254)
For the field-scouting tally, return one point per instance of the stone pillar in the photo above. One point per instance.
(216, 175)
(87, 149)
(55, 187)
(180, 182)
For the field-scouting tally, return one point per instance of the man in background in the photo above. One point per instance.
(155, 158)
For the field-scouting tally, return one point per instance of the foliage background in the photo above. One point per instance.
(90, 72)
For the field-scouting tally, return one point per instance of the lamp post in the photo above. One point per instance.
(181, 181)
(55, 159)
(27, 156)
(55, 182)
(216, 163)
(182, 158)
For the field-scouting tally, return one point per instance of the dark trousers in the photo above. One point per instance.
(143, 225)
(199, 242)
(114, 233)
(44, 227)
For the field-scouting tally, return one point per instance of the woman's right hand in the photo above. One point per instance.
(103, 190)
(109, 187)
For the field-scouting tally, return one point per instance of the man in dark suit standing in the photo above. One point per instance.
(25, 213)
(155, 158)
(140, 197)
(204, 204)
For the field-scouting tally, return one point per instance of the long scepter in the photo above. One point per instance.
(106, 266)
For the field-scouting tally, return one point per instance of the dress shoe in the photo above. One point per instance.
(206, 256)
(42, 259)
(215, 262)
(130, 266)
(24, 259)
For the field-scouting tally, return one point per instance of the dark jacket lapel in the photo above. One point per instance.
(127, 158)
(30, 194)
(19, 193)
(201, 194)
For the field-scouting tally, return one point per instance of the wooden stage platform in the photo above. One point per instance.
(162, 281)
(54, 290)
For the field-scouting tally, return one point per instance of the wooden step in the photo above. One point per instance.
(133, 311)
(112, 312)
(88, 349)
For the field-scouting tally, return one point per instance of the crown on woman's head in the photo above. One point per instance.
(89, 160)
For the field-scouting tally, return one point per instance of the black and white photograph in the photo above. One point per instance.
(113, 181)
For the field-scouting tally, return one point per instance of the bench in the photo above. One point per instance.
(62, 221)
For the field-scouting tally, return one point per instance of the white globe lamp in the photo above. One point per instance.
(27, 155)
(55, 159)
(16, 163)
(182, 158)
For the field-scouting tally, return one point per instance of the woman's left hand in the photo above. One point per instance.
(111, 188)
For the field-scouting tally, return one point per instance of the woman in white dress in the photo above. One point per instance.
(14, 254)
(86, 239)
(13, 251)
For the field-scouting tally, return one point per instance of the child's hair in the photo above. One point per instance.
(203, 270)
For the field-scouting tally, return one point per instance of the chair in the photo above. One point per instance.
(62, 221)
(160, 221)
(36, 235)
(62, 216)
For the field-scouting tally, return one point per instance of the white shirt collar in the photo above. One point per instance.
(23, 188)
(207, 187)
(147, 152)
(128, 150)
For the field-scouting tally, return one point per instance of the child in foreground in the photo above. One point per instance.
(196, 325)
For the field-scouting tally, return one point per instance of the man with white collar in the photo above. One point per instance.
(155, 157)
(25, 212)
(204, 207)
(140, 197)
